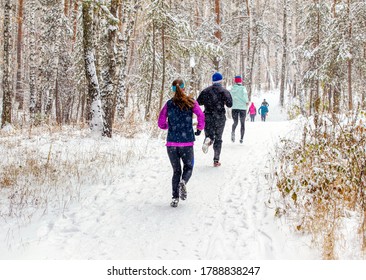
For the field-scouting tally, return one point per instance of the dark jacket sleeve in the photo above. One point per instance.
(228, 99)
(200, 98)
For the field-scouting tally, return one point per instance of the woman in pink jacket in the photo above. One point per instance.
(176, 116)
(252, 112)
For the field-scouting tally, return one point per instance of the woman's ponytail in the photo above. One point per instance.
(180, 98)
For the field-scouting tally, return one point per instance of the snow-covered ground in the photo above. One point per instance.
(228, 214)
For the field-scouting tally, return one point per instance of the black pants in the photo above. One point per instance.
(176, 154)
(252, 117)
(214, 128)
(235, 114)
(263, 117)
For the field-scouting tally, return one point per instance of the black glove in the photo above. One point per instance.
(198, 132)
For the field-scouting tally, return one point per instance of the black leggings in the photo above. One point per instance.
(214, 128)
(235, 114)
(187, 156)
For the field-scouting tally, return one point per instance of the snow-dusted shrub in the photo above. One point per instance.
(130, 126)
(323, 177)
(47, 167)
(293, 112)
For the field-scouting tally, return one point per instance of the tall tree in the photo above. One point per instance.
(218, 35)
(349, 62)
(32, 57)
(284, 54)
(19, 91)
(110, 69)
(150, 92)
(127, 25)
(96, 112)
(7, 97)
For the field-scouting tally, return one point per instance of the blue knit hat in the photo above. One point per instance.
(217, 77)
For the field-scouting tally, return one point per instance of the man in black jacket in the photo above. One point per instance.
(214, 98)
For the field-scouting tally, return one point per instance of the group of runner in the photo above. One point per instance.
(177, 114)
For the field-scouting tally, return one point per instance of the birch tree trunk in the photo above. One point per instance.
(7, 103)
(163, 66)
(242, 56)
(19, 91)
(349, 63)
(284, 55)
(252, 58)
(150, 92)
(124, 47)
(259, 72)
(248, 45)
(109, 73)
(55, 30)
(336, 100)
(363, 76)
(316, 82)
(32, 58)
(40, 61)
(96, 111)
(217, 34)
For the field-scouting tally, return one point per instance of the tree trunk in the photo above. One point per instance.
(269, 74)
(316, 82)
(329, 89)
(109, 74)
(6, 113)
(55, 31)
(248, 45)
(284, 55)
(19, 97)
(259, 72)
(124, 46)
(363, 77)
(311, 99)
(217, 33)
(349, 63)
(66, 7)
(149, 96)
(131, 56)
(250, 81)
(163, 66)
(58, 104)
(96, 111)
(242, 56)
(75, 22)
(336, 100)
(32, 62)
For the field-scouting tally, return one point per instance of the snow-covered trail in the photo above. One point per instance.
(225, 216)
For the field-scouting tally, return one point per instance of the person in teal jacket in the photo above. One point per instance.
(263, 111)
(239, 108)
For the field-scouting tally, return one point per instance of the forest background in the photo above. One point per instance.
(67, 62)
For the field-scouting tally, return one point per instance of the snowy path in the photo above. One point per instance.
(224, 217)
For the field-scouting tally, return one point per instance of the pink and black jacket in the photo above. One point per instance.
(179, 123)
